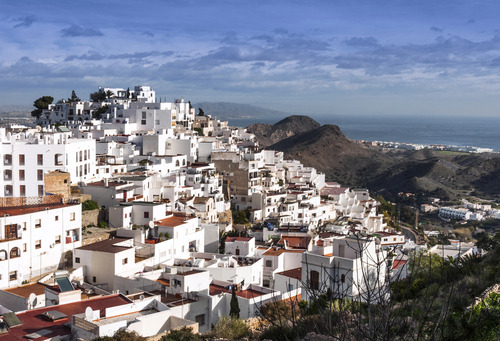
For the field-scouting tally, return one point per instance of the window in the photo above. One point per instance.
(21, 175)
(7, 160)
(25, 247)
(39, 159)
(11, 231)
(77, 260)
(15, 252)
(58, 160)
(146, 214)
(124, 261)
(21, 160)
(13, 275)
(22, 190)
(342, 278)
(200, 319)
(269, 263)
(58, 239)
(314, 280)
(290, 287)
(94, 279)
(24, 226)
(38, 223)
(72, 216)
(39, 174)
(56, 218)
(40, 190)
(38, 244)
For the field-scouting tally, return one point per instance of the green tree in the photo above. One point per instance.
(89, 205)
(98, 96)
(74, 97)
(235, 306)
(41, 104)
(98, 113)
(110, 94)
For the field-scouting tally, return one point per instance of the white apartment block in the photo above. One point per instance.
(455, 213)
(35, 233)
(26, 158)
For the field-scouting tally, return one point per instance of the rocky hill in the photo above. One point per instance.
(268, 134)
(326, 148)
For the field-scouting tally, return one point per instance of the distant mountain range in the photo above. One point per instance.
(237, 113)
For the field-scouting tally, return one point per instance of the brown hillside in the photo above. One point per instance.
(330, 151)
(267, 134)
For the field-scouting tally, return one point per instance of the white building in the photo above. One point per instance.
(26, 158)
(35, 234)
(351, 266)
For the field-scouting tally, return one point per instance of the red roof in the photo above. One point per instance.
(398, 262)
(295, 242)
(32, 320)
(249, 293)
(292, 273)
(173, 221)
(239, 239)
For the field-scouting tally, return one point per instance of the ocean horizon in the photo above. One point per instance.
(446, 130)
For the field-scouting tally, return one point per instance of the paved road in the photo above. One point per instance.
(410, 234)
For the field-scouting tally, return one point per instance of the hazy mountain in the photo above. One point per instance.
(237, 113)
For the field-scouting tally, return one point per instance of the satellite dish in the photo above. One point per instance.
(141, 297)
(151, 224)
(31, 301)
(89, 314)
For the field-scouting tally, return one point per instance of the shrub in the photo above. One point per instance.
(229, 328)
(102, 224)
(182, 334)
(90, 205)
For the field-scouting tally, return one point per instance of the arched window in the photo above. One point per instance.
(15, 252)
(3, 255)
(183, 162)
(314, 280)
(176, 163)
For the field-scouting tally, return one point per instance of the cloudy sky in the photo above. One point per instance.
(398, 57)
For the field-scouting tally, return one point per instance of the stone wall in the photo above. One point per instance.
(93, 217)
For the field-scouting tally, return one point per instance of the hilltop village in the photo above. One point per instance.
(196, 216)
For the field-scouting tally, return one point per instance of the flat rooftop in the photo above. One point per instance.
(32, 320)
(26, 290)
(249, 293)
(107, 245)
(173, 221)
(20, 210)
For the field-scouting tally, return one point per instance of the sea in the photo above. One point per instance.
(481, 131)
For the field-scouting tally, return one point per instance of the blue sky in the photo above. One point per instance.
(370, 57)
